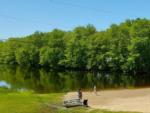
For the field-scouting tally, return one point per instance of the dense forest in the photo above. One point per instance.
(124, 47)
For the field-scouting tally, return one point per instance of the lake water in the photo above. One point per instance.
(4, 84)
(44, 81)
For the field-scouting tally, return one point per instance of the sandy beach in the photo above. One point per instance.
(137, 100)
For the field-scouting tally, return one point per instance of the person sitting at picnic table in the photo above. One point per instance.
(85, 101)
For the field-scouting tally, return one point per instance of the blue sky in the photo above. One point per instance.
(23, 17)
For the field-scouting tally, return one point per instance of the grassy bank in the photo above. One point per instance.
(28, 102)
(25, 102)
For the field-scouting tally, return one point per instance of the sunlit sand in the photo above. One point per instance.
(117, 100)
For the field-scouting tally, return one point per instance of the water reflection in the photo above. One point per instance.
(4, 84)
(43, 81)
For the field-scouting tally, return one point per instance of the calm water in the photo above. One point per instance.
(4, 84)
(43, 81)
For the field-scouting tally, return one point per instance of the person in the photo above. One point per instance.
(95, 91)
(80, 94)
(85, 102)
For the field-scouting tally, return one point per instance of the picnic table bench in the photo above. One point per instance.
(74, 102)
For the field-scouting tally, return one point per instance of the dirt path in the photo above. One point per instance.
(118, 100)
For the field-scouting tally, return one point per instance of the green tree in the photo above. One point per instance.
(139, 55)
(53, 54)
(27, 56)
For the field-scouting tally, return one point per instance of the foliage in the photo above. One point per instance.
(124, 47)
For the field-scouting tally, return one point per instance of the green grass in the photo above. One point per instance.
(28, 102)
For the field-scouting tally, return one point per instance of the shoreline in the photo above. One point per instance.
(133, 100)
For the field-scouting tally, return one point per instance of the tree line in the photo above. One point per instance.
(122, 47)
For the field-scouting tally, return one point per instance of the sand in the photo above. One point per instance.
(136, 100)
